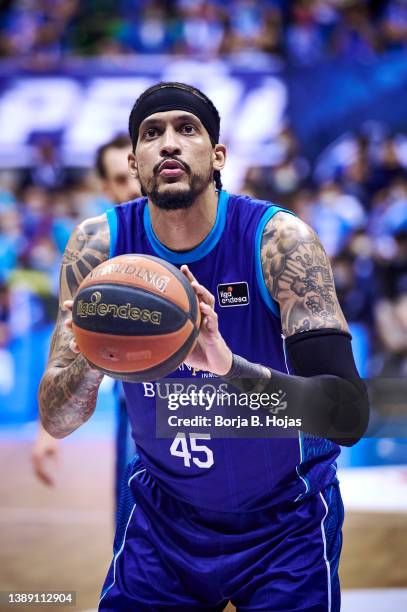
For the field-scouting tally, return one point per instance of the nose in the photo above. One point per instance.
(170, 144)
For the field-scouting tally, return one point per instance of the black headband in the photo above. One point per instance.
(175, 98)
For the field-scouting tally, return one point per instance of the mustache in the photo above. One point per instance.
(185, 166)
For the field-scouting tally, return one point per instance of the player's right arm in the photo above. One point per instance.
(69, 387)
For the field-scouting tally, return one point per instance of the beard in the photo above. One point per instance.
(179, 197)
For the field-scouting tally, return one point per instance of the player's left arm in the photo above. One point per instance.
(298, 275)
(328, 390)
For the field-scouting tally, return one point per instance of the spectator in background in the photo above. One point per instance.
(355, 172)
(252, 30)
(116, 183)
(46, 170)
(35, 209)
(335, 215)
(388, 165)
(280, 181)
(391, 308)
(201, 29)
(145, 28)
(64, 216)
(304, 38)
(4, 313)
(389, 209)
(354, 272)
(11, 237)
(355, 36)
(394, 25)
(6, 370)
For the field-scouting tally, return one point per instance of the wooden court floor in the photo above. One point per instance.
(60, 538)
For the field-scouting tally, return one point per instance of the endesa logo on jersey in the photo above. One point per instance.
(233, 294)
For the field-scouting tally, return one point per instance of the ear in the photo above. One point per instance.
(219, 156)
(133, 168)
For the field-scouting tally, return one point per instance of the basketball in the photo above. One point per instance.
(136, 317)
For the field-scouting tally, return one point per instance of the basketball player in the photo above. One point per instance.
(117, 185)
(254, 521)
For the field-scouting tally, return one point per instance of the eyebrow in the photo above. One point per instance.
(153, 122)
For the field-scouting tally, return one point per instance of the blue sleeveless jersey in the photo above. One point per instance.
(246, 474)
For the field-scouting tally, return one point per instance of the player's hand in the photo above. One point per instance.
(73, 346)
(67, 307)
(45, 457)
(211, 352)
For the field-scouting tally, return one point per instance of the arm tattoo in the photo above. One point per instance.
(68, 396)
(298, 276)
(68, 390)
(86, 249)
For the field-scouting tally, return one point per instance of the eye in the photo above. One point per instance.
(150, 133)
(188, 128)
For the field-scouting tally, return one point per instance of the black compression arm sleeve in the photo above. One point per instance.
(324, 389)
(328, 352)
(321, 351)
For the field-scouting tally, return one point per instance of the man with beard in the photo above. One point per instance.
(254, 521)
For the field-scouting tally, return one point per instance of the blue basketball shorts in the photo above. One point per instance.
(171, 556)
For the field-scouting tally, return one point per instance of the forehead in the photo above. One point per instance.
(169, 117)
(115, 160)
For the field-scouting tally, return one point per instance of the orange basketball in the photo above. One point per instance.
(136, 317)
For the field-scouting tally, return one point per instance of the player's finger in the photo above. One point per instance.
(200, 290)
(185, 270)
(67, 305)
(204, 293)
(209, 318)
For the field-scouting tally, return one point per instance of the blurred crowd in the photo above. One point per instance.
(44, 32)
(355, 197)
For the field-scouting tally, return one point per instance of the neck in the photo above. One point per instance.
(184, 229)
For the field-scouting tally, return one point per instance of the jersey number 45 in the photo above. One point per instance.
(185, 447)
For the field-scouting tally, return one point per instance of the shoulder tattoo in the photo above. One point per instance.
(86, 249)
(298, 276)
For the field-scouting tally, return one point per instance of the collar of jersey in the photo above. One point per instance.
(202, 249)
